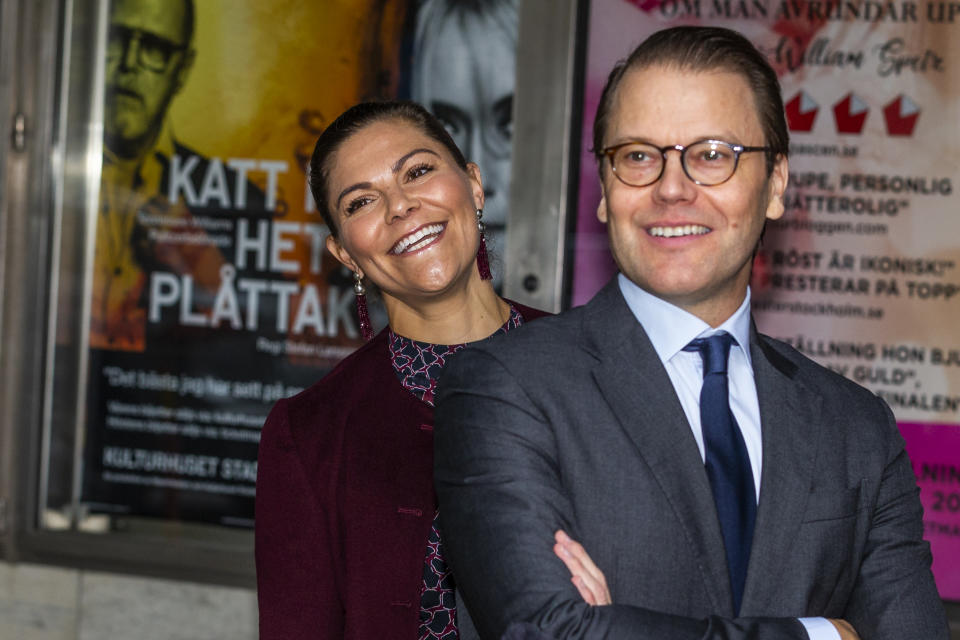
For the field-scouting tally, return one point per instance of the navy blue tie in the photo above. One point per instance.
(727, 462)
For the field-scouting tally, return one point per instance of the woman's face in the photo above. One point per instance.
(405, 211)
(465, 76)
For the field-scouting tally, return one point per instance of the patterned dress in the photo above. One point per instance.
(418, 365)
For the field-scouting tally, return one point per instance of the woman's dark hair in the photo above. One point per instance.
(694, 48)
(352, 121)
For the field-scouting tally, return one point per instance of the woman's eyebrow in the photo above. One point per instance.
(353, 187)
(399, 163)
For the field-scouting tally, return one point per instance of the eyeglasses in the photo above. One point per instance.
(153, 51)
(707, 162)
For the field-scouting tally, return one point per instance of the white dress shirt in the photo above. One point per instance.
(670, 329)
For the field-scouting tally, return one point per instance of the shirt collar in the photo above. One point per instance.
(670, 328)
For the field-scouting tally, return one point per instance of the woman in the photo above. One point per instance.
(347, 544)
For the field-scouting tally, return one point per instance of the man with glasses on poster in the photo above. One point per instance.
(149, 54)
(726, 486)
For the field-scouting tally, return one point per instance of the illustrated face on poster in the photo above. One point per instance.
(148, 58)
(464, 73)
(211, 296)
(149, 55)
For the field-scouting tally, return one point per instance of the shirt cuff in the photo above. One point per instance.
(820, 629)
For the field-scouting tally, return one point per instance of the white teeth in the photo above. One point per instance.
(417, 239)
(677, 232)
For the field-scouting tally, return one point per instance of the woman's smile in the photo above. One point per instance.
(420, 238)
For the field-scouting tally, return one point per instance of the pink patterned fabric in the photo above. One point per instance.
(418, 365)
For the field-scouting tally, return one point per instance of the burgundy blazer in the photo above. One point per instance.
(345, 503)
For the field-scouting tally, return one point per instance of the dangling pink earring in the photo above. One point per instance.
(365, 329)
(483, 263)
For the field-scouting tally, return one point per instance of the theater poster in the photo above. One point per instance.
(861, 273)
(212, 296)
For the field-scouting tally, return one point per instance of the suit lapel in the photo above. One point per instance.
(636, 386)
(790, 422)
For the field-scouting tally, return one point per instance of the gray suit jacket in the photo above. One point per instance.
(573, 423)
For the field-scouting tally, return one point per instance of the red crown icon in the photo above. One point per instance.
(901, 116)
(801, 112)
(850, 114)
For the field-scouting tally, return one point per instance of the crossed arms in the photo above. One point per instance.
(503, 483)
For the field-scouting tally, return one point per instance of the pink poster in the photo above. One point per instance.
(861, 272)
(933, 451)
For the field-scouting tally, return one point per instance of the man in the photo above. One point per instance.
(149, 55)
(755, 501)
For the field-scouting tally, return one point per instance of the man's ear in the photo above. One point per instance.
(602, 210)
(777, 185)
(183, 72)
(334, 247)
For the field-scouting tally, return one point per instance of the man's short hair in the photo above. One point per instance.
(189, 20)
(691, 48)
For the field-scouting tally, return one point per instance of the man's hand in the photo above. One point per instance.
(846, 631)
(585, 575)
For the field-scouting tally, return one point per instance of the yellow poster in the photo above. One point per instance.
(211, 295)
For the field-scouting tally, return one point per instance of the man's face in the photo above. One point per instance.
(687, 244)
(148, 58)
